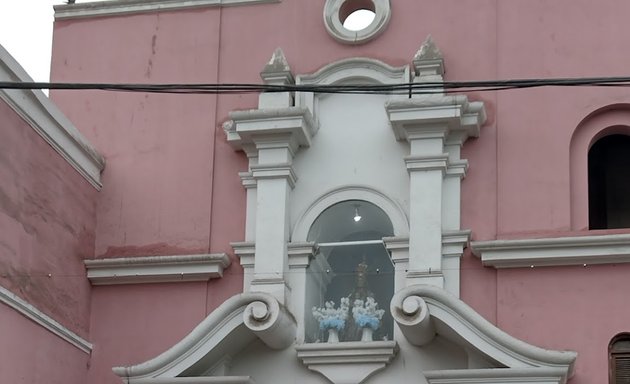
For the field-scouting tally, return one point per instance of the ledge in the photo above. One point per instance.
(156, 269)
(30, 312)
(49, 122)
(360, 358)
(601, 249)
(497, 376)
(124, 7)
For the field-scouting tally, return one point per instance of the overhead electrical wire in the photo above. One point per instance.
(420, 88)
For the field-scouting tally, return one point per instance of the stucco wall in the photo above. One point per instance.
(171, 185)
(31, 354)
(47, 221)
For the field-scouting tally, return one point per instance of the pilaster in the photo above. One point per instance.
(270, 136)
(435, 126)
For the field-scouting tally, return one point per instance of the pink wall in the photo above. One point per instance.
(171, 183)
(47, 220)
(31, 354)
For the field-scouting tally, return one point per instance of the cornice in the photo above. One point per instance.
(582, 250)
(292, 124)
(49, 122)
(32, 313)
(496, 376)
(412, 116)
(125, 7)
(156, 269)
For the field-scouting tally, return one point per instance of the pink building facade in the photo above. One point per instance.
(186, 238)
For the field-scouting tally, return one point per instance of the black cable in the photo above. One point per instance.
(389, 89)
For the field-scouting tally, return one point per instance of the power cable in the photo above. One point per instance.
(382, 89)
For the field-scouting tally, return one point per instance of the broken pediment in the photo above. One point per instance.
(251, 339)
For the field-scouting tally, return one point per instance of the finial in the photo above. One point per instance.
(277, 70)
(428, 62)
(428, 51)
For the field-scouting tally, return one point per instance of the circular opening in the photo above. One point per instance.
(356, 15)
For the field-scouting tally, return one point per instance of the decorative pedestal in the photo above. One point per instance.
(366, 334)
(333, 336)
(348, 362)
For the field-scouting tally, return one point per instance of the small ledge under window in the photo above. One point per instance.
(527, 253)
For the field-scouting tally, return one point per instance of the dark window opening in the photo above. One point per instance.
(619, 359)
(609, 183)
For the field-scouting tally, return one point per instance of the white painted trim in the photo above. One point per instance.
(197, 380)
(125, 7)
(49, 122)
(334, 25)
(360, 70)
(156, 269)
(423, 310)
(395, 213)
(496, 376)
(600, 249)
(30, 312)
(227, 329)
(339, 361)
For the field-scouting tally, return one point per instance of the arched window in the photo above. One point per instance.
(609, 183)
(619, 359)
(351, 266)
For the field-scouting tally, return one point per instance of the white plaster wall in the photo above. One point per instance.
(267, 366)
(355, 145)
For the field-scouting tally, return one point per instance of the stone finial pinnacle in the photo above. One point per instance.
(428, 51)
(428, 62)
(277, 70)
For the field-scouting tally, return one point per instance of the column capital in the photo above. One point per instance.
(430, 116)
(274, 171)
(293, 125)
(427, 163)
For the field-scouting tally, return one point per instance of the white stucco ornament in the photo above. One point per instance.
(335, 12)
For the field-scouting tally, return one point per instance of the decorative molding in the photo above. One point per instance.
(274, 171)
(49, 122)
(579, 250)
(497, 376)
(334, 25)
(227, 330)
(414, 309)
(427, 163)
(246, 126)
(355, 69)
(156, 269)
(196, 380)
(125, 7)
(348, 362)
(454, 242)
(417, 115)
(30, 312)
(300, 254)
(352, 192)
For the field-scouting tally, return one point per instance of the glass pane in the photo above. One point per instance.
(359, 275)
(351, 220)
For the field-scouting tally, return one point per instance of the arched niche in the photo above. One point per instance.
(608, 120)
